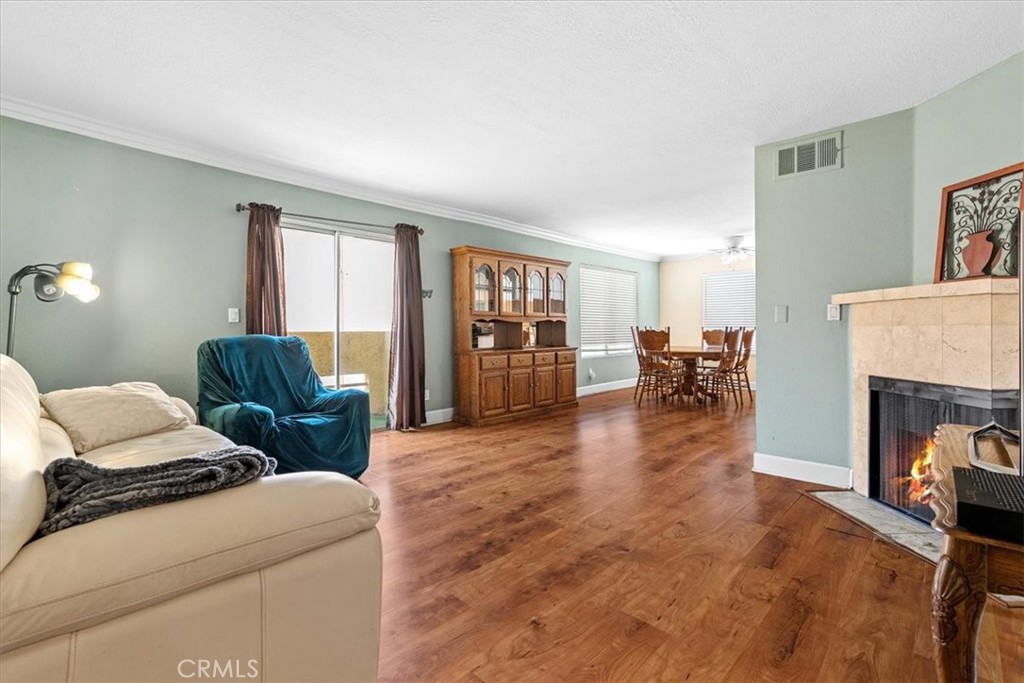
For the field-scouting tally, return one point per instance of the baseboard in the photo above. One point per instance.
(438, 416)
(628, 383)
(448, 414)
(803, 470)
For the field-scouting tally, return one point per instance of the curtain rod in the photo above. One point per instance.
(242, 207)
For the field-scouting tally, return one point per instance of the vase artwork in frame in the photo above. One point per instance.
(979, 226)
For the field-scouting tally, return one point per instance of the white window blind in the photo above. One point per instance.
(608, 308)
(729, 300)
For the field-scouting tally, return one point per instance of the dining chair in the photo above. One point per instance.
(711, 337)
(662, 376)
(717, 381)
(642, 367)
(740, 378)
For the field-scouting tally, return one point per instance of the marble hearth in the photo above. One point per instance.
(962, 333)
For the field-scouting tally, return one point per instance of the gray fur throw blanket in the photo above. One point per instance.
(78, 491)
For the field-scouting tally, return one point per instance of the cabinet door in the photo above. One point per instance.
(520, 389)
(536, 290)
(484, 283)
(565, 390)
(511, 300)
(492, 393)
(544, 386)
(557, 285)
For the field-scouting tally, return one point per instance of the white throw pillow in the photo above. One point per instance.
(97, 416)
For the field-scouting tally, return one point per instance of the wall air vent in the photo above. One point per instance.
(824, 153)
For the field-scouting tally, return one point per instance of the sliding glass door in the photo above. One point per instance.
(339, 299)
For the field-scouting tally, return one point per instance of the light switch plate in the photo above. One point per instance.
(233, 315)
(781, 313)
(832, 312)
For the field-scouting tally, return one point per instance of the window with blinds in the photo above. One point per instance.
(608, 308)
(729, 300)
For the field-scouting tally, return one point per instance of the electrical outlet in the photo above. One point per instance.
(426, 394)
(233, 316)
(591, 374)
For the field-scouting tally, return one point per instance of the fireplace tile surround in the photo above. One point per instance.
(962, 333)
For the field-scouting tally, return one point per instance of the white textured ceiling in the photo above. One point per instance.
(629, 124)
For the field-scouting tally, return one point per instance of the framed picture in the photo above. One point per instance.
(979, 226)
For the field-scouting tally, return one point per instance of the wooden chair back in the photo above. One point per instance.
(654, 345)
(636, 348)
(730, 349)
(712, 337)
(746, 343)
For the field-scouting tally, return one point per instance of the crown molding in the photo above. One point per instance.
(676, 258)
(271, 169)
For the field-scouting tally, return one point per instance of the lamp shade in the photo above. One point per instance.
(75, 278)
(77, 268)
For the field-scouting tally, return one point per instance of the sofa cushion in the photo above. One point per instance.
(97, 416)
(91, 573)
(145, 450)
(22, 494)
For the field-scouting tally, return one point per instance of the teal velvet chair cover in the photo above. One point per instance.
(262, 391)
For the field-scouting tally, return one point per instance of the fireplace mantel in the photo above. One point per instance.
(963, 333)
(979, 286)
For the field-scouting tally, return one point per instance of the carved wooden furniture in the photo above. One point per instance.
(511, 357)
(662, 375)
(711, 338)
(641, 376)
(972, 566)
(717, 380)
(740, 378)
(689, 356)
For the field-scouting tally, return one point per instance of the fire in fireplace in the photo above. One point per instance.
(902, 421)
(921, 475)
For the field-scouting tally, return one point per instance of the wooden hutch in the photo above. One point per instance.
(511, 359)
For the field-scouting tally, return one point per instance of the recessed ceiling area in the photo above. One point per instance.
(626, 125)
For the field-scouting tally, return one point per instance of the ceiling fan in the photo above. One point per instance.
(734, 250)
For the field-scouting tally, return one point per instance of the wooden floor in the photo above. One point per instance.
(613, 543)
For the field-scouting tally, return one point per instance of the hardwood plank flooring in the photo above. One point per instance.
(617, 543)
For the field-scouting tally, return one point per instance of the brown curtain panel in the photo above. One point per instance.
(264, 272)
(406, 407)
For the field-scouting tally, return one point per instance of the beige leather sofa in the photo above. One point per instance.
(277, 580)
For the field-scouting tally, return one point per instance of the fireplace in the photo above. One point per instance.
(902, 420)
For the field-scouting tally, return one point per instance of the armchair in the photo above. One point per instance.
(262, 391)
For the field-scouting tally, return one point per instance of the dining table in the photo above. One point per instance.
(690, 356)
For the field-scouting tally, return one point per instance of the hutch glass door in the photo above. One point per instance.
(556, 296)
(511, 291)
(535, 301)
(485, 285)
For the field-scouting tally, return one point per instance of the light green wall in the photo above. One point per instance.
(872, 224)
(965, 132)
(829, 232)
(169, 249)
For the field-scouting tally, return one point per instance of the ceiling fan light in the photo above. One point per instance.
(733, 254)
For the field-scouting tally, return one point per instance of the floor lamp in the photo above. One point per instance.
(51, 282)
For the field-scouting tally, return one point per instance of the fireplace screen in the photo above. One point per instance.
(903, 419)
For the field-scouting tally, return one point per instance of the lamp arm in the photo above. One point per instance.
(14, 289)
(14, 284)
(11, 312)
